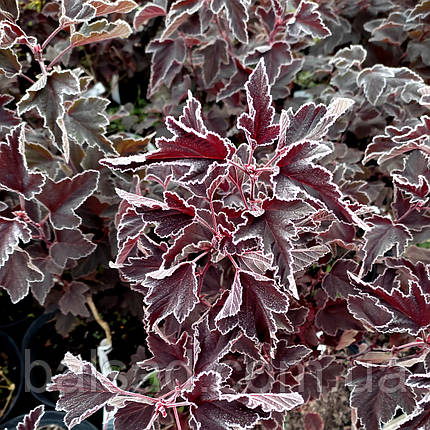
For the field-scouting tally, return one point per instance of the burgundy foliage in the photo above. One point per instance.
(275, 233)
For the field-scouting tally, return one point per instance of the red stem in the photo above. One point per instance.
(64, 51)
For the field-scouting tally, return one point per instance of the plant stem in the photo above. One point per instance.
(64, 51)
(178, 423)
(102, 323)
(27, 78)
(10, 387)
(54, 33)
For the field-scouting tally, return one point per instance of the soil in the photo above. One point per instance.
(333, 407)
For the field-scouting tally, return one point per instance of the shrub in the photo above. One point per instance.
(276, 232)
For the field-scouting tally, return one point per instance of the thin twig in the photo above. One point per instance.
(102, 323)
(11, 388)
(64, 51)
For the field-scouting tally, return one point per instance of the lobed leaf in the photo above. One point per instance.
(214, 54)
(171, 291)
(307, 19)
(298, 175)
(275, 229)
(12, 231)
(106, 7)
(147, 12)
(409, 309)
(17, 274)
(378, 392)
(76, 11)
(168, 56)
(237, 16)
(14, 173)
(383, 236)
(260, 298)
(9, 64)
(47, 96)
(269, 402)
(275, 56)
(70, 243)
(98, 31)
(83, 390)
(85, 121)
(32, 419)
(211, 412)
(258, 124)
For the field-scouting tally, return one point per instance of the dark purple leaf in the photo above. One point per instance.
(260, 298)
(383, 236)
(214, 54)
(377, 393)
(83, 390)
(414, 179)
(170, 360)
(287, 356)
(191, 140)
(170, 216)
(134, 416)
(397, 141)
(367, 309)
(258, 123)
(310, 122)
(14, 173)
(47, 96)
(379, 81)
(98, 31)
(348, 57)
(86, 122)
(298, 175)
(11, 232)
(148, 11)
(17, 274)
(9, 64)
(8, 117)
(76, 11)
(275, 229)
(73, 300)
(70, 244)
(210, 346)
(32, 419)
(62, 198)
(335, 316)
(172, 291)
(237, 16)
(269, 402)
(211, 412)
(336, 282)
(308, 20)
(287, 74)
(410, 309)
(167, 59)
(235, 83)
(275, 56)
(419, 419)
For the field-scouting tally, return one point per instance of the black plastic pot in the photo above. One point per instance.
(49, 418)
(38, 370)
(15, 368)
